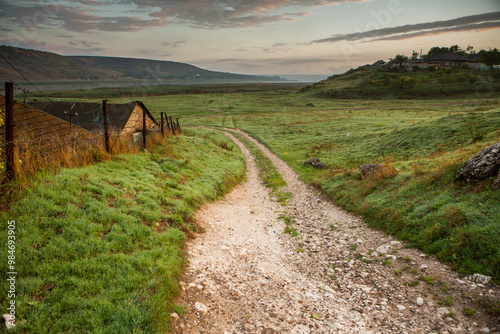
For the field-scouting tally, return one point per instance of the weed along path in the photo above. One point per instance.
(330, 274)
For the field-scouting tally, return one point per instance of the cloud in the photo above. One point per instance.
(84, 43)
(466, 23)
(135, 15)
(52, 47)
(174, 44)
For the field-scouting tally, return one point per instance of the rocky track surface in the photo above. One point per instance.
(337, 276)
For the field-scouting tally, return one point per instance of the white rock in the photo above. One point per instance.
(328, 289)
(383, 249)
(395, 243)
(478, 278)
(374, 254)
(224, 248)
(174, 315)
(484, 330)
(443, 311)
(401, 307)
(200, 307)
(422, 255)
(8, 324)
(423, 267)
(420, 301)
(391, 256)
(359, 241)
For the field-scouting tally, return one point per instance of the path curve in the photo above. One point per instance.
(339, 276)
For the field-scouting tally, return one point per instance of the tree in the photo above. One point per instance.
(399, 59)
(455, 49)
(414, 55)
(437, 51)
(491, 57)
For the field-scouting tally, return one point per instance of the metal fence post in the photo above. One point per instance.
(9, 130)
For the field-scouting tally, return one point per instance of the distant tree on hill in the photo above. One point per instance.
(437, 51)
(399, 59)
(491, 57)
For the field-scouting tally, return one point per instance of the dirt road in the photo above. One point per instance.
(337, 276)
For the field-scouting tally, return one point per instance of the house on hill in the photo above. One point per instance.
(448, 60)
(123, 119)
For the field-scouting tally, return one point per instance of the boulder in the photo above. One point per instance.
(369, 170)
(315, 162)
(481, 166)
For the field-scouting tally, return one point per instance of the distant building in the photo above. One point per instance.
(441, 60)
(123, 119)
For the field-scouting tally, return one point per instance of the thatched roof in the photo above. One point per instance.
(90, 115)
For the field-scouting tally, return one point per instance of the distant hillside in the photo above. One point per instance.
(40, 65)
(374, 81)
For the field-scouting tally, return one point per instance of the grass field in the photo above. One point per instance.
(99, 248)
(424, 141)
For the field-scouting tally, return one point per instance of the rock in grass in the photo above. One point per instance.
(315, 162)
(482, 165)
(369, 170)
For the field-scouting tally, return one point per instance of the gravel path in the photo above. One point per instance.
(337, 276)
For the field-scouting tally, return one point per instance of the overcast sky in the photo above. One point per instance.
(251, 36)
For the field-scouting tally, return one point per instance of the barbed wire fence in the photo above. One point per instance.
(32, 140)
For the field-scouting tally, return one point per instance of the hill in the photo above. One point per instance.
(41, 65)
(374, 81)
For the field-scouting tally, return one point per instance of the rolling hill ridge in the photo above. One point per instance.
(41, 65)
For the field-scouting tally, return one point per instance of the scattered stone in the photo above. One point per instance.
(443, 311)
(401, 307)
(420, 301)
(478, 278)
(383, 249)
(224, 248)
(484, 330)
(174, 315)
(315, 162)
(268, 331)
(200, 307)
(369, 170)
(423, 267)
(482, 165)
(8, 323)
(389, 256)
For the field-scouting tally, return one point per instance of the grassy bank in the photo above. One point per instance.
(99, 248)
(418, 202)
(426, 140)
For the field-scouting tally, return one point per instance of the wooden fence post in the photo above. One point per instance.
(9, 130)
(173, 125)
(144, 128)
(178, 125)
(162, 132)
(106, 124)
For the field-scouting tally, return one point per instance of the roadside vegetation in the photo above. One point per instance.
(267, 171)
(100, 248)
(421, 142)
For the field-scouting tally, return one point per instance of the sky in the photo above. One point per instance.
(322, 37)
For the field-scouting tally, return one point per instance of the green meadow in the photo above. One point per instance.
(99, 249)
(422, 142)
